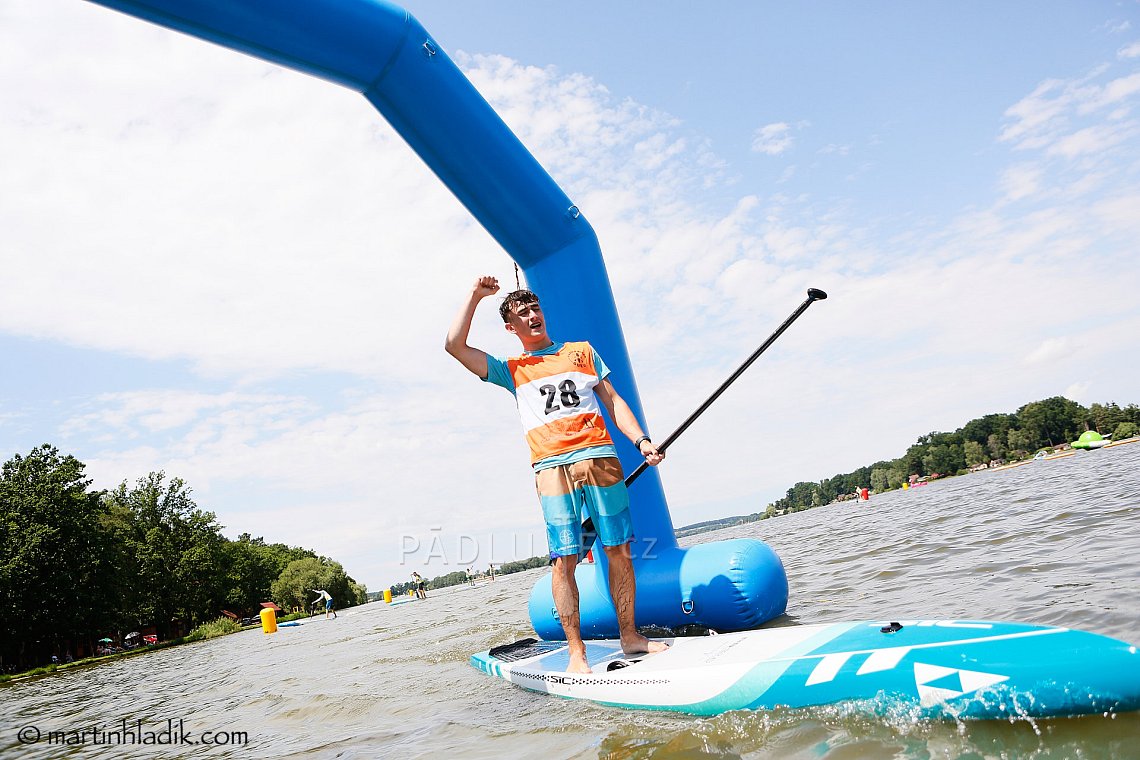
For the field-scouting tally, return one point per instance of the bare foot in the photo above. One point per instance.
(638, 644)
(578, 663)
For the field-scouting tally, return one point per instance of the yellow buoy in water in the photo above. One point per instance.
(387, 596)
(268, 620)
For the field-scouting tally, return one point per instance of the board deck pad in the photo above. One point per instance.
(937, 668)
(525, 649)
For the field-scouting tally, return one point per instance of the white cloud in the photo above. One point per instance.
(1050, 350)
(772, 139)
(1129, 51)
(1021, 181)
(1034, 113)
(1096, 139)
(1045, 118)
(1079, 392)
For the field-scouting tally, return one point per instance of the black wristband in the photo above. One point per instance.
(637, 443)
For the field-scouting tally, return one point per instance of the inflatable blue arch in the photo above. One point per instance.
(381, 51)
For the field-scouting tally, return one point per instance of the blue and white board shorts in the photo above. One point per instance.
(570, 493)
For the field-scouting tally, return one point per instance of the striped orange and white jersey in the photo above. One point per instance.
(554, 391)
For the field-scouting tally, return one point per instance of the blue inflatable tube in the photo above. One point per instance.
(381, 51)
(726, 585)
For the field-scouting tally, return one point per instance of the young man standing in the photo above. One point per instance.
(558, 387)
(322, 594)
(420, 586)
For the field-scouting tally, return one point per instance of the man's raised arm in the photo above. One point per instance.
(473, 359)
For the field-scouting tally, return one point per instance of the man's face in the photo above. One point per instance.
(526, 321)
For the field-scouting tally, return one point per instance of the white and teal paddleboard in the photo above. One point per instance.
(938, 668)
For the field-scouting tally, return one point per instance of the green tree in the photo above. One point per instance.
(944, 459)
(1052, 421)
(975, 453)
(175, 551)
(517, 566)
(982, 428)
(51, 551)
(1106, 417)
(301, 577)
(358, 593)
(1021, 442)
(911, 461)
(879, 479)
(449, 579)
(1125, 430)
(997, 445)
(249, 568)
(1132, 411)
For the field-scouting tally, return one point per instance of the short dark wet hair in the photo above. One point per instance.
(515, 297)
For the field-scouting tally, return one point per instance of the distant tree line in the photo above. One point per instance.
(994, 437)
(77, 565)
(460, 576)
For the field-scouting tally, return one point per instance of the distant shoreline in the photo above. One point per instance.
(711, 525)
(1058, 455)
(214, 631)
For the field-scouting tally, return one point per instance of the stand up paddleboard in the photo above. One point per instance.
(937, 668)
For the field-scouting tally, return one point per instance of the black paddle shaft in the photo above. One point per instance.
(813, 295)
(589, 535)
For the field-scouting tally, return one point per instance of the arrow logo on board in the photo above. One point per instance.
(938, 684)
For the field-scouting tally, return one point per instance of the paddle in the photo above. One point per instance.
(589, 535)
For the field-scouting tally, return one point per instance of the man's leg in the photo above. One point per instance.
(565, 589)
(607, 502)
(562, 512)
(623, 591)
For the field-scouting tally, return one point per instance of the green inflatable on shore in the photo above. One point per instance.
(1090, 439)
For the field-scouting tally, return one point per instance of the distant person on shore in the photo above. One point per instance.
(420, 586)
(322, 594)
(470, 578)
(560, 389)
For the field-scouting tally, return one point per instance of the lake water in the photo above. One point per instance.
(1050, 542)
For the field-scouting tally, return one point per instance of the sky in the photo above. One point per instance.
(241, 276)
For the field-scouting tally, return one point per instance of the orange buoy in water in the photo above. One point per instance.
(268, 620)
